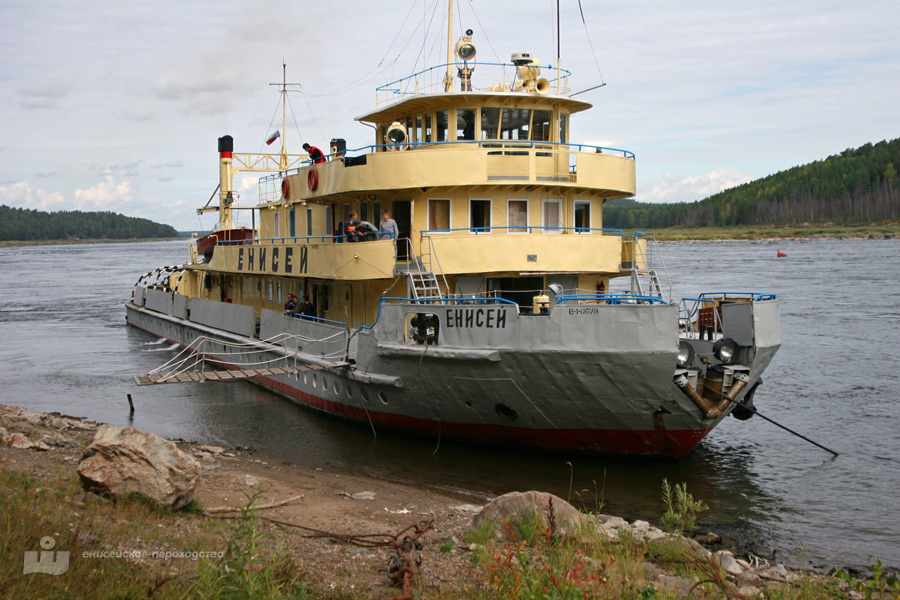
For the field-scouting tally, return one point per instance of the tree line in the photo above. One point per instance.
(857, 186)
(22, 224)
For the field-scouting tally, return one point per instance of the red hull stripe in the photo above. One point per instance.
(674, 443)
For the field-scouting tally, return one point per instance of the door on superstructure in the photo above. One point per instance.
(403, 215)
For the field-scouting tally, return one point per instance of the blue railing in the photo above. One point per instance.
(610, 299)
(316, 319)
(753, 296)
(522, 229)
(305, 238)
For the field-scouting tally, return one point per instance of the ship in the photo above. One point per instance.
(494, 308)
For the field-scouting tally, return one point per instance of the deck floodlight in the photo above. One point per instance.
(396, 134)
(465, 49)
(726, 350)
(685, 354)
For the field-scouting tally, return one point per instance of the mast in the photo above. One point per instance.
(448, 78)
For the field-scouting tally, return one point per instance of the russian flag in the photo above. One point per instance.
(273, 137)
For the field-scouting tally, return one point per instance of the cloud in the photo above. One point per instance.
(22, 195)
(45, 91)
(679, 188)
(106, 195)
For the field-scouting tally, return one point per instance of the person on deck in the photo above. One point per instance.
(314, 153)
(350, 228)
(388, 225)
(291, 304)
(307, 308)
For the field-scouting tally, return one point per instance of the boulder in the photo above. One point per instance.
(122, 461)
(557, 514)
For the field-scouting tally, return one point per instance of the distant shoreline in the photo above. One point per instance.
(16, 243)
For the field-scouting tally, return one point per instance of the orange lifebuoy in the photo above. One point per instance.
(312, 178)
(285, 189)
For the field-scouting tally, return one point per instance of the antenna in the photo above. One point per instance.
(283, 162)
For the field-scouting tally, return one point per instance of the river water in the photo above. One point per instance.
(65, 347)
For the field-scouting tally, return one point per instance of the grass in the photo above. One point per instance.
(514, 560)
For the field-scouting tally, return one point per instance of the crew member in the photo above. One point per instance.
(314, 153)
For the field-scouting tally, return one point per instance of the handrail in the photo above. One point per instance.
(306, 238)
(317, 319)
(610, 298)
(754, 296)
(530, 228)
(492, 144)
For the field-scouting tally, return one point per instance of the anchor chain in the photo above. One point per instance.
(404, 564)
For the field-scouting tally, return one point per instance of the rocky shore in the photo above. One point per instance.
(319, 516)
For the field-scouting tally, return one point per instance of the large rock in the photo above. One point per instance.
(126, 461)
(563, 518)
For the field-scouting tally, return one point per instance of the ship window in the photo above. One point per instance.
(278, 289)
(582, 216)
(563, 130)
(490, 119)
(552, 216)
(429, 136)
(346, 214)
(329, 221)
(309, 221)
(465, 124)
(376, 213)
(441, 124)
(540, 125)
(438, 214)
(276, 225)
(364, 211)
(517, 216)
(292, 223)
(271, 299)
(479, 216)
(514, 124)
(420, 130)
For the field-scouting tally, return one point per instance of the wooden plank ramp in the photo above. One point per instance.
(225, 375)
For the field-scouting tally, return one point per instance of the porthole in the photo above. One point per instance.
(349, 391)
(337, 387)
(305, 379)
(324, 384)
(364, 394)
(507, 413)
(383, 398)
(468, 404)
(316, 381)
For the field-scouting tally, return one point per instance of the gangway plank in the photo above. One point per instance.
(225, 375)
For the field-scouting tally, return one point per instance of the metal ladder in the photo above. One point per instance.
(648, 274)
(423, 286)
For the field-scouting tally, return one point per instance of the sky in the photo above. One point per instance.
(117, 106)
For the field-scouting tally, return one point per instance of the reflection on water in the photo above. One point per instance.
(66, 348)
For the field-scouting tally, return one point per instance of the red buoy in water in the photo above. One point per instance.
(781, 254)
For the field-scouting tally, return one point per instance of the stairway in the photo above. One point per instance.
(423, 286)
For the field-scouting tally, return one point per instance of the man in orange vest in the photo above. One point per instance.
(314, 153)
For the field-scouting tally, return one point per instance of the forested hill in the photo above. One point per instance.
(22, 224)
(858, 186)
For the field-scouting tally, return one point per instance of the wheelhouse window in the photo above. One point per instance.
(480, 216)
(582, 216)
(517, 216)
(441, 125)
(540, 125)
(514, 123)
(439, 214)
(465, 124)
(563, 128)
(420, 130)
(552, 216)
(490, 122)
(429, 134)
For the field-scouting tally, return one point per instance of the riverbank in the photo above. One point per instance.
(328, 535)
(825, 231)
